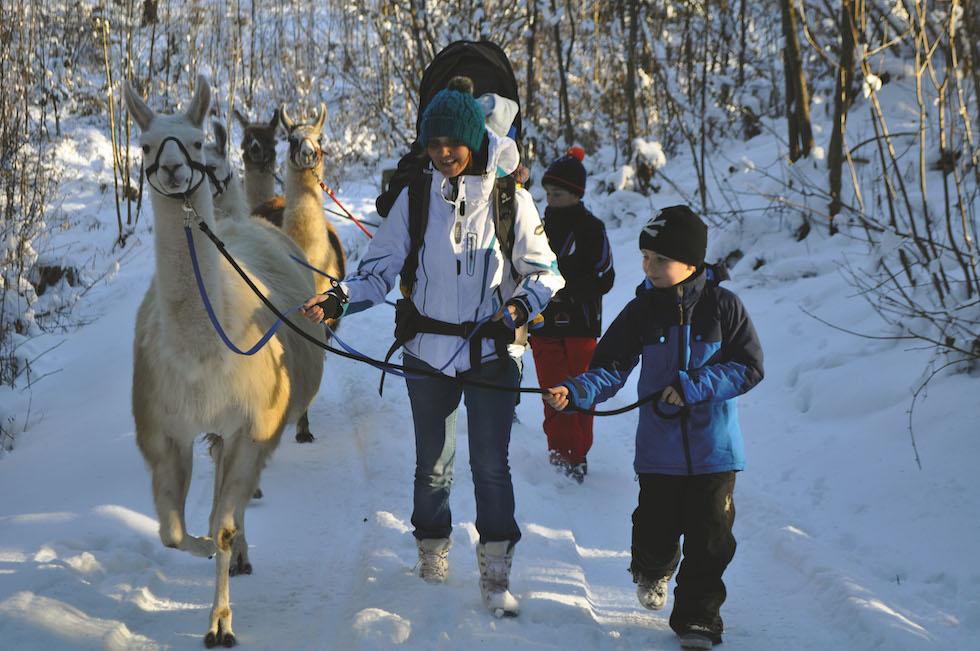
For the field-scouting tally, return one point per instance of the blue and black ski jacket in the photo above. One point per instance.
(697, 337)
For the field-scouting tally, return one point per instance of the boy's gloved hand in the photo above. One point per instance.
(328, 305)
(557, 398)
(672, 397)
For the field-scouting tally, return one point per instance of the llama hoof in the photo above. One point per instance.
(241, 567)
(257, 495)
(304, 437)
(201, 547)
(219, 638)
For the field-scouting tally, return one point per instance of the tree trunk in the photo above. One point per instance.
(562, 84)
(528, 117)
(149, 13)
(842, 102)
(797, 95)
(631, 130)
(971, 32)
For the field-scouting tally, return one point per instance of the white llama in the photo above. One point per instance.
(185, 381)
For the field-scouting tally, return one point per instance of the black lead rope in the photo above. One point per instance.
(403, 369)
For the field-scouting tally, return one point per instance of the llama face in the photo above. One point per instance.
(259, 141)
(216, 160)
(173, 145)
(305, 150)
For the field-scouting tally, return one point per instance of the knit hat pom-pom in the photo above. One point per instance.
(576, 152)
(461, 84)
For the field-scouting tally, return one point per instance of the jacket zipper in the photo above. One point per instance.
(683, 363)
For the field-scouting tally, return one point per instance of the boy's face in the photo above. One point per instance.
(450, 157)
(663, 271)
(559, 197)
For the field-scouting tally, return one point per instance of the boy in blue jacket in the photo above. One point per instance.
(699, 351)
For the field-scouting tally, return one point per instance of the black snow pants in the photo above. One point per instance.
(701, 509)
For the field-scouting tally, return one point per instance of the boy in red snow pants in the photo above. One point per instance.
(563, 337)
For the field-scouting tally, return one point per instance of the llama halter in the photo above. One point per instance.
(191, 163)
(220, 185)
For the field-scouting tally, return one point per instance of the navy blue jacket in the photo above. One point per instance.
(579, 241)
(697, 337)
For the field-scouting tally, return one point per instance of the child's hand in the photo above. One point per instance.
(557, 398)
(672, 397)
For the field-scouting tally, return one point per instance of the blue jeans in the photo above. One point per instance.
(490, 413)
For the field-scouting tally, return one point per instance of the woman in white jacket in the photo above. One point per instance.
(462, 278)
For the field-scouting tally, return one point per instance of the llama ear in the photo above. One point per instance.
(142, 114)
(321, 117)
(241, 118)
(198, 109)
(287, 122)
(220, 137)
(274, 122)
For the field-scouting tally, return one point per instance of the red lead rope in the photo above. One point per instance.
(326, 188)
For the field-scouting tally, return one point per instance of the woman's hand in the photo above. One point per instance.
(312, 310)
(510, 310)
(513, 313)
(328, 305)
(557, 398)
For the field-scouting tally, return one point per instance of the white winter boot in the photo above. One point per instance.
(494, 559)
(433, 565)
(652, 594)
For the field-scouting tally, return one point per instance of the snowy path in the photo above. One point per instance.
(841, 543)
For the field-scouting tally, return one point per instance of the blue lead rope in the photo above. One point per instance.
(314, 269)
(275, 326)
(278, 323)
(210, 310)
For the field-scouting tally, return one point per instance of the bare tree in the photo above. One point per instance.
(843, 97)
(797, 94)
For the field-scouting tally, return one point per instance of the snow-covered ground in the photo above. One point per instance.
(843, 542)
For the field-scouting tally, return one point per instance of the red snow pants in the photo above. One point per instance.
(556, 360)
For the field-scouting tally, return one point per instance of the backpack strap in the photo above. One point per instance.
(419, 190)
(504, 215)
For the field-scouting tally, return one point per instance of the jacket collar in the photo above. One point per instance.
(688, 291)
(569, 213)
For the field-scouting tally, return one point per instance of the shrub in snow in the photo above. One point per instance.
(648, 157)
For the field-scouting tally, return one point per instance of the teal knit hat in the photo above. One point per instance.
(453, 114)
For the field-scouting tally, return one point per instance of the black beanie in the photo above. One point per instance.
(568, 172)
(677, 233)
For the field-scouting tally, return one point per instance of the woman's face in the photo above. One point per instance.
(663, 271)
(449, 156)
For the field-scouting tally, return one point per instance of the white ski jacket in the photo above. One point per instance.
(462, 275)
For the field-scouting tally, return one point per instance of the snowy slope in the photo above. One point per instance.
(843, 542)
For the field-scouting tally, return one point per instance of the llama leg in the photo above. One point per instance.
(303, 433)
(240, 468)
(220, 631)
(239, 547)
(239, 563)
(171, 464)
